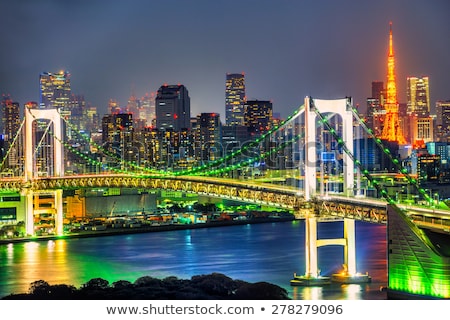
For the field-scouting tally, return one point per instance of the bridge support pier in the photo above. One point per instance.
(57, 211)
(312, 243)
(59, 217)
(29, 212)
(312, 274)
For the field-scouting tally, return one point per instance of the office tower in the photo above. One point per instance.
(442, 149)
(428, 167)
(443, 120)
(234, 99)
(375, 115)
(208, 137)
(421, 130)
(77, 105)
(378, 91)
(6, 99)
(375, 110)
(258, 116)
(54, 90)
(418, 96)
(147, 110)
(173, 107)
(11, 125)
(10, 119)
(391, 129)
(234, 137)
(117, 137)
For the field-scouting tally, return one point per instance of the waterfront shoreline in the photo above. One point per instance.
(145, 229)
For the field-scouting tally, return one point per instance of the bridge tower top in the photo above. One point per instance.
(52, 115)
(341, 107)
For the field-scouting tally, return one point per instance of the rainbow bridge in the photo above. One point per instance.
(418, 250)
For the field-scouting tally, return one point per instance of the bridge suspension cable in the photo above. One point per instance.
(388, 153)
(358, 163)
(109, 154)
(14, 143)
(207, 168)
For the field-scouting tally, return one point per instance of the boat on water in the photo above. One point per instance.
(308, 280)
(351, 278)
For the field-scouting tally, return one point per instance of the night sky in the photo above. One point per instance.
(287, 48)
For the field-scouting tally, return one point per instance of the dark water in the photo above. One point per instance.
(269, 252)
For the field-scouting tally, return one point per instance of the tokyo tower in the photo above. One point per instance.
(391, 129)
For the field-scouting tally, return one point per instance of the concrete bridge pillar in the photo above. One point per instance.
(312, 243)
(29, 212)
(350, 247)
(59, 226)
(311, 247)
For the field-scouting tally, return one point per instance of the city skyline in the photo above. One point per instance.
(116, 49)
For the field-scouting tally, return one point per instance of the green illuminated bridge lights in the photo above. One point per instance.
(418, 246)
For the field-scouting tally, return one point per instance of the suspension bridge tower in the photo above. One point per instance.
(344, 109)
(52, 115)
(313, 108)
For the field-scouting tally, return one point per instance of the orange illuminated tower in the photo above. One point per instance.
(391, 130)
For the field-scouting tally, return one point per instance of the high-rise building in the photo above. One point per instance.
(208, 137)
(234, 137)
(421, 130)
(6, 99)
(54, 90)
(11, 124)
(428, 167)
(378, 91)
(258, 116)
(118, 139)
(375, 115)
(234, 99)
(10, 119)
(147, 110)
(442, 120)
(391, 129)
(418, 96)
(173, 107)
(375, 111)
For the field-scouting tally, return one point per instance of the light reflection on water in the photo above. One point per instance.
(263, 252)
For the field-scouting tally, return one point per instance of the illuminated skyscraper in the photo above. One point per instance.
(443, 120)
(378, 91)
(234, 99)
(54, 90)
(418, 95)
(375, 110)
(209, 137)
(173, 107)
(11, 124)
(258, 116)
(391, 129)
